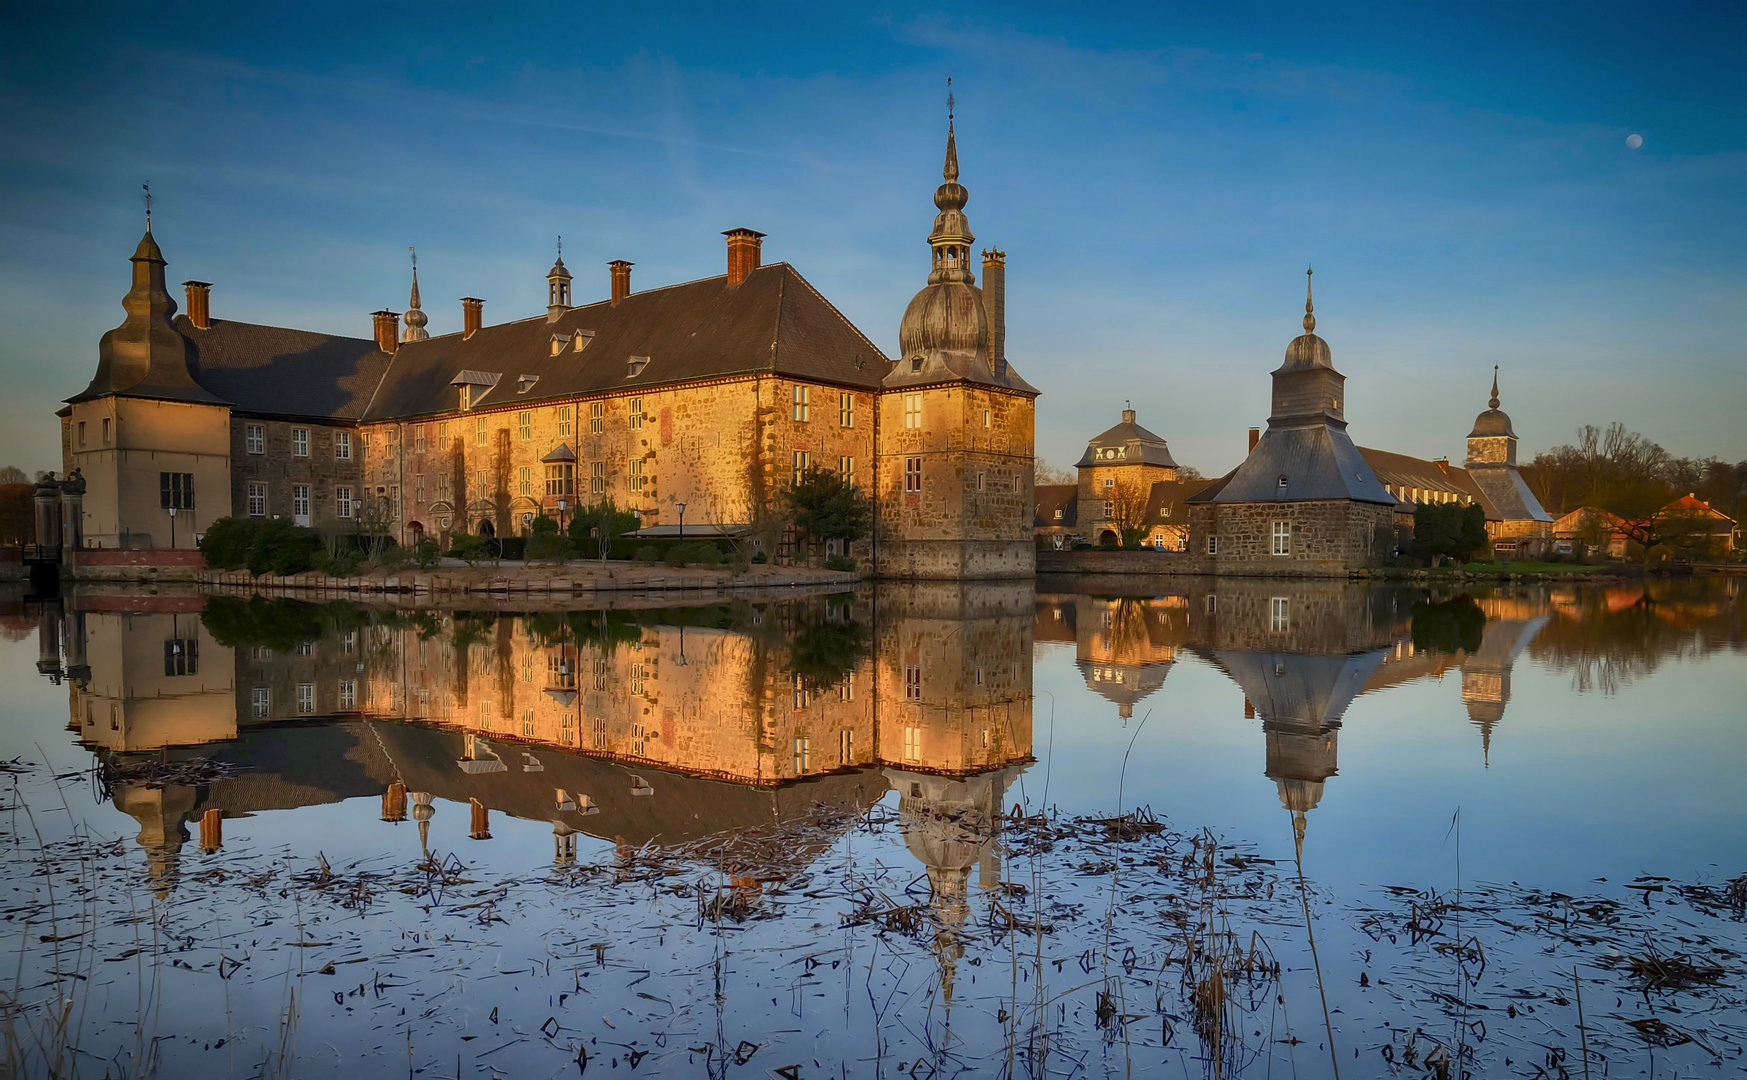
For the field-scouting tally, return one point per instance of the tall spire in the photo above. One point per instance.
(951, 238)
(415, 318)
(950, 171)
(1494, 402)
(1309, 304)
(147, 187)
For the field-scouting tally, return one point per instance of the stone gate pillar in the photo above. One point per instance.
(72, 515)
(48, 512)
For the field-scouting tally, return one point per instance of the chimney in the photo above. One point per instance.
(1128, 416)
(472, 316)
(745, 252)
(621, 279)
(995, 302)
(387, 330)
(1255, 437)
(199, 303)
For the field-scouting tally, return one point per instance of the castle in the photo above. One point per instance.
(695, 405)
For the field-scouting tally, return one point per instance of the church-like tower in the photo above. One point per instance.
(956, 423)
(1515, 520)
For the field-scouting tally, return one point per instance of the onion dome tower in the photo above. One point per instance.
(146, 356)
(1511, 507)
(415, 316)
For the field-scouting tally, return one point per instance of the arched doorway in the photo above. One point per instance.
(486, 528)
(1108, 538)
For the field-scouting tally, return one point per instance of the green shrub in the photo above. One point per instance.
(648, 553)
(760, 558)
(342, 563)
(227, 542)
(283, 548)
(425, 553)
(470, 548)
(694, 552)
(840, 562)
(547, 545)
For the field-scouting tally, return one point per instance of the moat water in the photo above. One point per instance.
(1091, 828)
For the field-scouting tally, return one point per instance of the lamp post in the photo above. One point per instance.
(563, 504)
(172, 510)
(682, 521)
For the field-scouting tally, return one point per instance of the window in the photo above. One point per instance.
(988, 418)
(300, 502)
(597, 480)
(596, 418)
(800, 692)
(912, 410)
(846, 469)
(299, 442)
(912, 682)
(525, 480)
(418, 438)
(1282, 538)
(261, 698)
(465, 396)
(342, 446)
(442, 485)
(1109, 509)
(634, 413)
(1212, 604)
(1109, 481)
(349, 694)
(176, 491)
(1058, 513)
(634, 476)
(254, 438)
(803, 461)
(912, 475)
(305, 698)
(343, 502)
(845, 410)
(979, 481)
(845, 746)
(81, 433)
(418, 488)
(257, 499)
(803, 407)
(481, 436)
(349, 641)
(106, 423)
(443, 435)
(846, 689)
(563, 420)
(181, 656)
(525, 425)
(560, 480)
(1280, 614)
(912, 744)
(803, 747)
(1213, 545)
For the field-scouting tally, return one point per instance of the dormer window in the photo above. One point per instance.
(466, 396)
(635, 366)
(1282, 481)
(915, 363)
(581, 340)
(526, 383)
(559, 342)
(472, 386)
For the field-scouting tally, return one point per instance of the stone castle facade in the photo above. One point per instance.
(694, 405)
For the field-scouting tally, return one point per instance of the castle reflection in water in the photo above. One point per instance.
(671, 724)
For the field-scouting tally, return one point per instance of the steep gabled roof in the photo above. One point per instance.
(277, 371)
(1052, 497)
(1175, 495)
(1405, 473)
(772, 322)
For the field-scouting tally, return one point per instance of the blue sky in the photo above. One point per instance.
(1458, 174)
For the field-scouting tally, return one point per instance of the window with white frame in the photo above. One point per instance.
(634, 412)
(342, 446)
(634, 476)
(300, 501)
(802, 400)
(299, 442)
(912, 410)
(261, 700)
(1282, 538)
(912, 475)
(255, 437)
(597, 483)
(1280, 614)
(988, 418)
(803, 462)
(564, 420)
(845, 410)
(418, 438)
(912, 744)
(845, 746)
(597, 419)
(803, 753)
(481, 433)
(348, 693)
(846, 469)
(912, 682)
(1213, 545)
(343, 502)
(305, 698)
(418, 488)
(525, 425)
(257, 499)
(525, 480)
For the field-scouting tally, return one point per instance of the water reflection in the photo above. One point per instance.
(667, 725)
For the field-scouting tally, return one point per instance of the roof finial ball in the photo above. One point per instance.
(1309, 306)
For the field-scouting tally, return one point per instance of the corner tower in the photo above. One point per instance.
(1518, 524)
(957, 425)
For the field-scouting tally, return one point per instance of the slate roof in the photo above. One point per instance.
(1174, 495)
(1053, 497)
(275, 371)
(1319, 461)
(1507, 494)
(1404, 472)
(1142, 446)
(773, 321)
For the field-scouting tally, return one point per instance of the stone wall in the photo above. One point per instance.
(322, 470)
(1328, 537)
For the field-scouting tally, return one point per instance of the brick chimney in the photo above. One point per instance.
(199, 303)
(621, 279)
(1255, 437)
(387, 330)
(745, 253)
(472, 316)
(995, 303)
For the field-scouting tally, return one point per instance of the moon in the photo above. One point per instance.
(1634, 140)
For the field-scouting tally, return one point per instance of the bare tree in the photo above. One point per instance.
(1048, 474)
(1127, 499)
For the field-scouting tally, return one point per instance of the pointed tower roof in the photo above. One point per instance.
(146, 356)
(415, 317)
(1307, 350)
(1494, 421)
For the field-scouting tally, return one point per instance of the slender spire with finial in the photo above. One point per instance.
(1309, 304)
(147, 186)
(1494, 402)
(415, 318)
(950, 171)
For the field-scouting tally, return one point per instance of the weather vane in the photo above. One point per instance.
(949, 97)
(561, 246)
(147, 187)
(415, 256)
